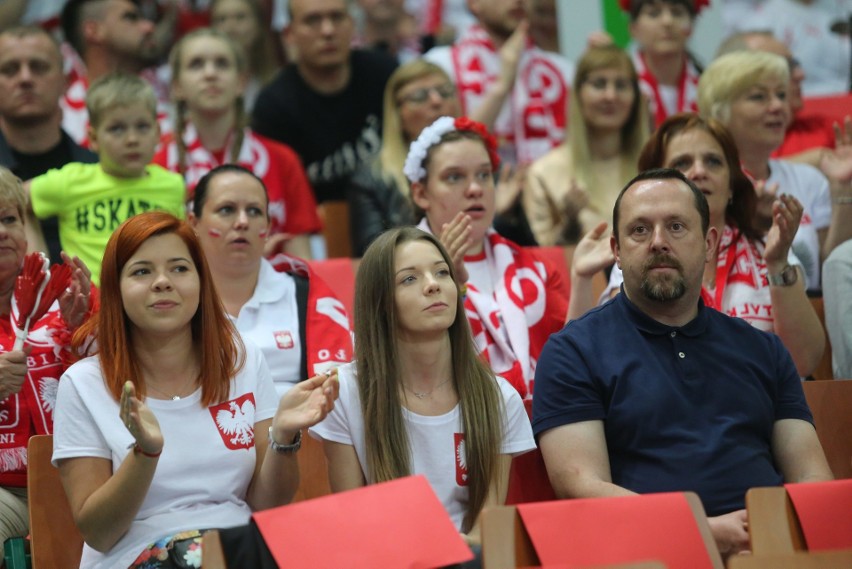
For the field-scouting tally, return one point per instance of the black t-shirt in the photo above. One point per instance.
(28, 166)
(333, 134)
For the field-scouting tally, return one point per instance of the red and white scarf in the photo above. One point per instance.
(528, 305)
(742, 286)
(329, 339)
(30, 411)
(687, 89)
(533, 120)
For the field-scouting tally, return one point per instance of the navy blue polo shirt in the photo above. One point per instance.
(688, 408)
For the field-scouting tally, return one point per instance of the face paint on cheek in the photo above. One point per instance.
(212, 232)
(262, 233)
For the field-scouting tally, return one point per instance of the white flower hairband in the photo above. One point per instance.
(429, 136)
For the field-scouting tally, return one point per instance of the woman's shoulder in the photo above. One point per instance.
(557, 162)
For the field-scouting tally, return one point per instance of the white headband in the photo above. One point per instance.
(429, 136)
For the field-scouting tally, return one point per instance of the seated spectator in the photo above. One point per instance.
(107, 36)
(513, 299)
(755, 277)
(819, 39)
(27, 389)
(655, 392)
(507, 82)
(164, 433)
(31, 137)
(92, 200)
(747, 92)
(668, 73)
(208, 78)
(327, 105)
(245, 22)
(809, 133)
(572, 188)
(837, 294)
(284, 309)
(417, 399)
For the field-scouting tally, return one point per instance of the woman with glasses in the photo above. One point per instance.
(573, 187)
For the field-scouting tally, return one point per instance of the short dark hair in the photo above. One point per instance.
(636, 6)
(664, 174)
(199, 195)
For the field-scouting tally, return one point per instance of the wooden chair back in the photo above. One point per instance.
(831, 405)
(841, 559)
(212, 554)
(313, 470)
(55, 539)
(506, 543)
(824, 369)
(772, 522)
(335, 228)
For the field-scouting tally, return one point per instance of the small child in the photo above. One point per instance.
(92, 200)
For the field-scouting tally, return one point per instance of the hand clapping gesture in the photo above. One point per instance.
(74, 303)
(786, 215)
(455, 237)
(593, 253)
(305, 404)
(140, 421)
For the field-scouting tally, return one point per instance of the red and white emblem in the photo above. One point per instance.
(461, 459)
(284, 339)
(235, 421)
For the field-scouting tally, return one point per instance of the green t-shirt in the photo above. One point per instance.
(91, 204)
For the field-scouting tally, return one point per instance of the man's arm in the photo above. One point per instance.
(577, 462)
(798, 452)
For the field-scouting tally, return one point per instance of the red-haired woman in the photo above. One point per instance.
(165, 431)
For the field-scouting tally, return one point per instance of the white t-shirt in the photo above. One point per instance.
(809, 186)
(270, 319)
(437, 443)
(207, 463)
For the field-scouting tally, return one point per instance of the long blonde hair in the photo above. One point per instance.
(240, 119)
(394, 144)
(377, 363)
(634, 133)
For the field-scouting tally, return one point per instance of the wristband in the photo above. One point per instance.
(285, 449)
(138, 450)
(843, 199)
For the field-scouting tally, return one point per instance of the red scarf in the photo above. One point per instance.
(533, 120)
(30, 411)
(687, 89)
(532, 303)
(329, 339)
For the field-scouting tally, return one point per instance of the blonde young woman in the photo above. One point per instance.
(208, 81)
(418, 399)
(573, 187)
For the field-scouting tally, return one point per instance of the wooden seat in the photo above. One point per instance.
(55, 540)
(335, 228)
(507, 544)
(313, 470)
(801, 560)
(831, 405)
(773, 525)
(823, 370)
(212, 555)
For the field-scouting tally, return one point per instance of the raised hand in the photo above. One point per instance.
(766, 195)
(593, 253)
(511, 52)
(837, 166)
(305, 404)
(455, 237)
(786, 215)
(74, 304)
(276, 244)
(843, 133)
(140, 421)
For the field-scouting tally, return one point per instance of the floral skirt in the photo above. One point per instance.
(178, 551)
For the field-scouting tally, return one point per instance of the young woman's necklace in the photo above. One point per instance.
(175, 397)
(422, 394)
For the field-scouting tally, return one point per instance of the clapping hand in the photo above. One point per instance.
(593, 253)
(305, 404)
(276, 244)
(140, 421)
(509, 187)
(786, 215)
(455, 237)
(766, 195)
(511, 52)
(74, 304)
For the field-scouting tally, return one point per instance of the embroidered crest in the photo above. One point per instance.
(283, 339)
(235, 421)
(461, 459)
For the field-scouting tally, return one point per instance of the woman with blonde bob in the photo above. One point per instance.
(418, 399)
(573, 187)
(747, 92)
(164, 432)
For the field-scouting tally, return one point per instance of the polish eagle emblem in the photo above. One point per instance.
(235, 421)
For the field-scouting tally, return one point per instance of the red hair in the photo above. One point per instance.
(215, 340)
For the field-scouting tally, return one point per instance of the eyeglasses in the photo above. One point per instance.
(420, 96)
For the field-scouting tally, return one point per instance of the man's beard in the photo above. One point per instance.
(663, 288)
